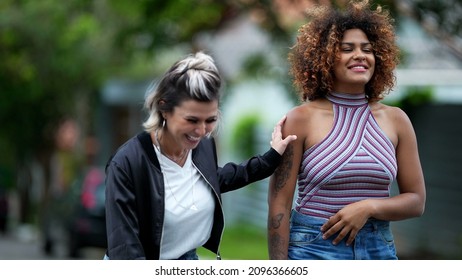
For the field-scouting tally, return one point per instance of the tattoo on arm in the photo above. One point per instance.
(275, 251)
(281, 174)
(275, 240)
(276, 221)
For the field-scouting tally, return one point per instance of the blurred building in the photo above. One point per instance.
(121, 114)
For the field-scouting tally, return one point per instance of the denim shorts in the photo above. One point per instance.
(373, 242)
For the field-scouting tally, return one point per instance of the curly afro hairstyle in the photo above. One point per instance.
(313, 56)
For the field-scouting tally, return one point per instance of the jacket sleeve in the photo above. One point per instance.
(233, 176)
(121, 219)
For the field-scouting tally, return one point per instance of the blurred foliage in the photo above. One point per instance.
(445, 15)
(244, 138)
(51, 53)
(415, 96)
(240, 242)
(254, 66)
(56, 55)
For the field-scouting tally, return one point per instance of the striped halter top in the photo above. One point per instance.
(355, 161)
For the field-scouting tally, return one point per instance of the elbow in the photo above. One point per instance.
(420, 209)
(415, 206)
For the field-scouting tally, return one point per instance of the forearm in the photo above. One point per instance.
(278, 233)
(233, 176)
(280, 198)
(400, 207)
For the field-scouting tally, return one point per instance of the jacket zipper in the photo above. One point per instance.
(221, 208)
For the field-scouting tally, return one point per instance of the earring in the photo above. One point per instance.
(163, 123)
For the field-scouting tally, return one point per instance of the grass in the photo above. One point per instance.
(240, 242)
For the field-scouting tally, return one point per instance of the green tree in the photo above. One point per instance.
(52, 56)
(442, 19)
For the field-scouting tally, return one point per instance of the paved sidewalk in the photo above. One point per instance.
(23, 244)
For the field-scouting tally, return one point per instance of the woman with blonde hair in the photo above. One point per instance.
(164, 186)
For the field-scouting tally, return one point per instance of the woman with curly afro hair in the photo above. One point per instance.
(350, 147)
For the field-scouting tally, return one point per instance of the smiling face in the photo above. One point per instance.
(188, 124)
(355, 65)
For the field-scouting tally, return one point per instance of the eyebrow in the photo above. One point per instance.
(197, 118)
(352, 44)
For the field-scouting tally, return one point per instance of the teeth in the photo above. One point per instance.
(359, 67)
(194, 138)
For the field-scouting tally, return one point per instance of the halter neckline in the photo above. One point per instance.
(347, 99)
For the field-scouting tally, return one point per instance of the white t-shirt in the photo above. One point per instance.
(189, 208)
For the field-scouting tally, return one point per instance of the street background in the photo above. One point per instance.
(23, 245)
(73, 77)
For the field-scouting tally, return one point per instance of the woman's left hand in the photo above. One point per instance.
(277, 142)
(347, 222)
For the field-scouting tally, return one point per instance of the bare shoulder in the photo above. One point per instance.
(306, 111)
(295, 118)
(308, 119)
(388, 111)
(392, 119)
(296, 115)
(299, 117)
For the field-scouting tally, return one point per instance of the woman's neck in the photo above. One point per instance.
(167, 146)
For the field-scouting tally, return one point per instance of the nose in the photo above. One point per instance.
(359, 56)
(201, 129)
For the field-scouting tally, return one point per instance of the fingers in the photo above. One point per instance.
(335, 225)
(351, 237)
(290, 138)
(282, 120)
(280, 144)
(277, 132)
(278, 127)
(337, 228)
(330, 227)
(346, 231)
(277, 142)
(340, 236)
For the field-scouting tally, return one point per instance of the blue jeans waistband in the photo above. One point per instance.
(302, 219)
(373, 242)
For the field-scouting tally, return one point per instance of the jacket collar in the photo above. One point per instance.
(205, 160)
(147, 145)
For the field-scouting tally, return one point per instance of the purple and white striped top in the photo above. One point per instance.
(355, 161)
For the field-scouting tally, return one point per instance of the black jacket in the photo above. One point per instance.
(135, 194)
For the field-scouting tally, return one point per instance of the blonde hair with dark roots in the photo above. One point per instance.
(195, 77)
(313, 56)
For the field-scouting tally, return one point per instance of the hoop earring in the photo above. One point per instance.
(163, 123)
